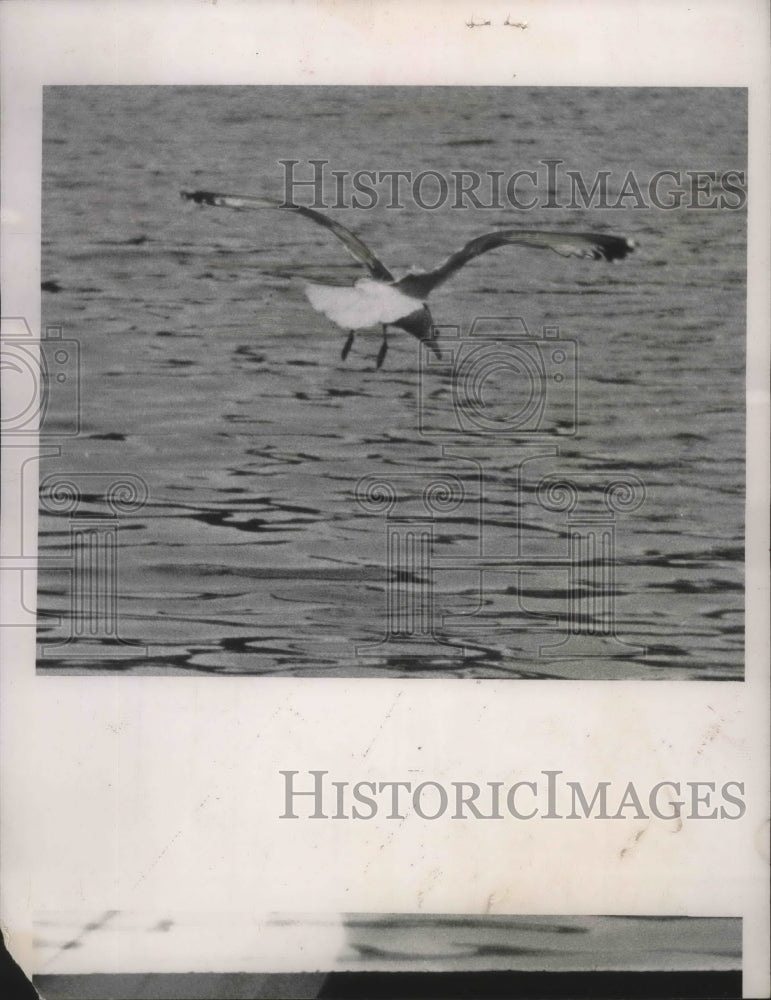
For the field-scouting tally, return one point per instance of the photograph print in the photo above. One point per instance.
(393, 382)
(395, 956)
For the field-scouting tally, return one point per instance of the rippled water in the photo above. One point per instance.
(205, 373)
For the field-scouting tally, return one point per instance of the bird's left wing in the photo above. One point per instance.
(599, 246)
(357, 249)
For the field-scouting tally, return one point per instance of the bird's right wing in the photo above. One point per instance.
(358, 250)
(599, 246)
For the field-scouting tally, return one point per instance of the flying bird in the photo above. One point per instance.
(383, 300)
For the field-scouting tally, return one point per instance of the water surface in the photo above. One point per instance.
(205, 374)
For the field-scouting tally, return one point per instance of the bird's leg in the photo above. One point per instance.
(383, 348)
(347, 346)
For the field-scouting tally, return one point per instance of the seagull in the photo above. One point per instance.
(383, 300)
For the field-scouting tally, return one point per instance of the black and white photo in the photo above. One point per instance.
(527, 463)
(385, 475)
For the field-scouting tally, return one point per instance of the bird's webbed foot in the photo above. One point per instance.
(347, 346)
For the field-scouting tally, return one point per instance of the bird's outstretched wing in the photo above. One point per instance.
(358, 250)
(596, 245)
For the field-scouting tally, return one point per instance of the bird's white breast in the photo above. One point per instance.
(367, 303)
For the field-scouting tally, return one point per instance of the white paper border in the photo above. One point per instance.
(58, 735)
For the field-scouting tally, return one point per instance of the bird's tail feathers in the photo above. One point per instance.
(431, 342)
(421, 325)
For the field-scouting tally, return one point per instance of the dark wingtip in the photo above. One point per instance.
(615, 248)
(199, 197)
